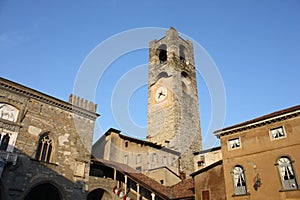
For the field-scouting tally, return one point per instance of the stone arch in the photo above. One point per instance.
(99, 194)
(54, 144)
(45, 191)
(185, 82)
(161, 52)
(182, 53)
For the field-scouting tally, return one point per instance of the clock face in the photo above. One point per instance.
(161, 94)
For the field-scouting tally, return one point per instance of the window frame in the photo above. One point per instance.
(290, 183)
(154, 158)
(239, 190)
(234, 148)
(138, 158)
(48, 157)
(276, 128)
(165, 160)
(205, 194)
(126, 159)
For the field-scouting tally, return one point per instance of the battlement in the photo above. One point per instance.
(82, 103)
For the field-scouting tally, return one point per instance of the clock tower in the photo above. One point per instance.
(173, 110)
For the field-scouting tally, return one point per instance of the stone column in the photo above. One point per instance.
(137, 191)
(125, 187)
(153, 196)
(115, 178)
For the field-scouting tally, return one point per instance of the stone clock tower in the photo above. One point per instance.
(173, 111)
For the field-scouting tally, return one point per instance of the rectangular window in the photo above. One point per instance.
(165, 161)
(234, 143)
(277, 133)
(205, 195)
(138, 158)
(139, 168)
(126, 159)
(201, 162)
(154, 157)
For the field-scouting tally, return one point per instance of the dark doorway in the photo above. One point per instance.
(45, 191)
(95, 194)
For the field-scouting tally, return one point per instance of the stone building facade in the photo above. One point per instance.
(173, 116)
(146, 157)
(209, 182)
(261, 157)
(173, 110)
(45, 145)
(207, 157)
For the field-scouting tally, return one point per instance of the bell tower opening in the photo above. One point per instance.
(182, 53)
(162, 53)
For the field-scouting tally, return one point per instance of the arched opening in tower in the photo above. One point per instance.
(162, 53)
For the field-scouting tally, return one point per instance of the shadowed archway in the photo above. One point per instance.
(99, 194)
(45, 191)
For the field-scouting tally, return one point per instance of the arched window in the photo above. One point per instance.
(185, 82)
(44, 150)
(287, 174)
(239, 181)
(162, 53)
(4, 142)
(182, 53)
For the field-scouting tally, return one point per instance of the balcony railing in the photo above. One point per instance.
(8, 157)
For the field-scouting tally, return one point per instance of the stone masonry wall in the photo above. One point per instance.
(68, 168)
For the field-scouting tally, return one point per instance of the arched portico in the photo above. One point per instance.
(45, 191)
(99, 194)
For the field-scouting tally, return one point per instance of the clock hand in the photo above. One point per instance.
(160, 94)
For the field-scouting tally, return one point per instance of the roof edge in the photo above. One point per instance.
(206, 168)
(259, 121)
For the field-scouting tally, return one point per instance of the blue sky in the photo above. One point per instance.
(254, 44)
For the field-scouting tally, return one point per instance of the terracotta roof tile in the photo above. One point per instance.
(137, 176)
(258, 119)
(182, 190)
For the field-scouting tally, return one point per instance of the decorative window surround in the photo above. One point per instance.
(286, 173)
(239, 181)
(277, 133)
(234, 143)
